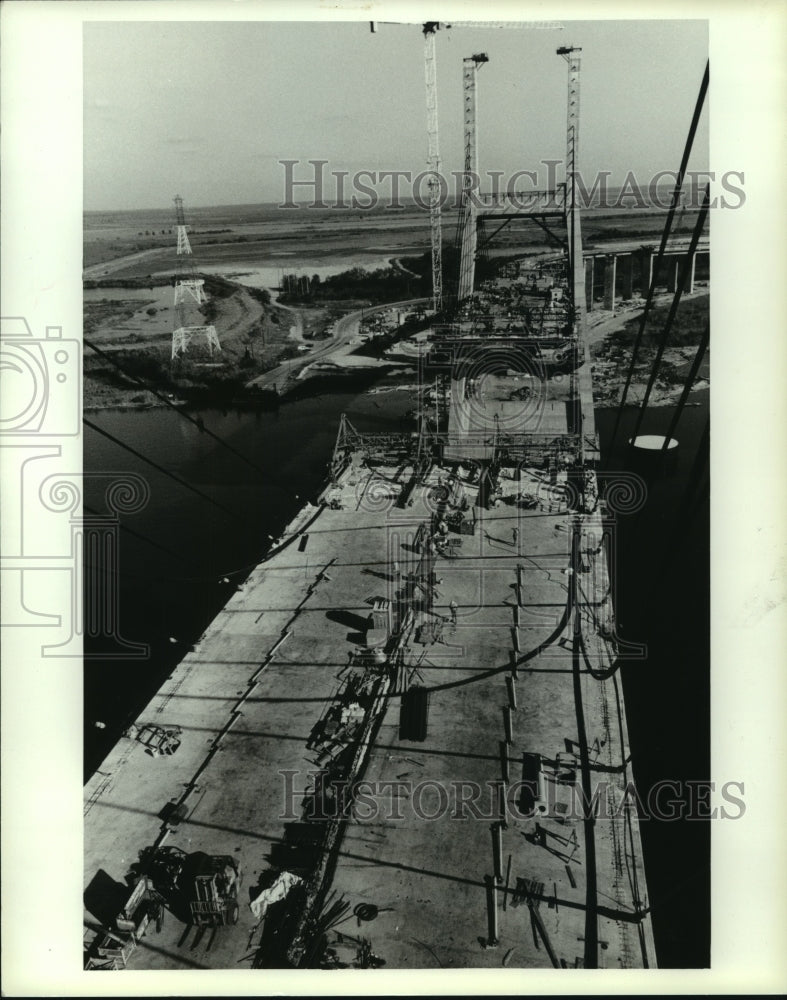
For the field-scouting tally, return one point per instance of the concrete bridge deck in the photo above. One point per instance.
(249, 695)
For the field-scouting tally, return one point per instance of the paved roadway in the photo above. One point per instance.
(678, 244)
(345, 334)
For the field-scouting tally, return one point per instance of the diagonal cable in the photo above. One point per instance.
(139, 535)
(682, 279)
(197, 422)
(160, 468)
(664, 237)
(703, 345)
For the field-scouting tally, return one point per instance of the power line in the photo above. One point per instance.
(198, 423)
(160, 468)
(688, 386)
(137, 534)
(682, 278)
(659, 257)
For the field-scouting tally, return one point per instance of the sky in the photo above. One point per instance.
(208, 109)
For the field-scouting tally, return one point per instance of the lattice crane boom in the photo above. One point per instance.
(523, 25)
(571, 54)
(433, 166)
(433, 145)
(467, 219)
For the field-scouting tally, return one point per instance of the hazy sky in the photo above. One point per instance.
(208, 109)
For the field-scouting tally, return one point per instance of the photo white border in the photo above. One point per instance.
(41, 702)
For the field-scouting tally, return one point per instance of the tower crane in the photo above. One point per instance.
(571, 55)
(467, 219)
(430, 28)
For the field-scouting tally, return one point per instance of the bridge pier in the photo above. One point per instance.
(590, 273)
(646, 270)
(673, 270)
(627, 275)
(705, 259)
(610, 272)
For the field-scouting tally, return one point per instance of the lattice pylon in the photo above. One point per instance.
(182, 337)
(184, 247)
(180, 341)
(212, 339)
(192, 286)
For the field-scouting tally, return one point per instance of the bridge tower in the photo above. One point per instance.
(188, 286)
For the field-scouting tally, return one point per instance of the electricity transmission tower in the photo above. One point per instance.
(188, 286)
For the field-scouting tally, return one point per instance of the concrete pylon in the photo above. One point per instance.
(692, 269)
(627, 274)
(610, 272)
(646, 270)
(706, 259)
(590, 271)
(673, 269)
(468, 253)
(459, 405)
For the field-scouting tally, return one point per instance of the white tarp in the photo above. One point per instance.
(277, 891)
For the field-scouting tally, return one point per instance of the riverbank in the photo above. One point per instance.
(128, 341)
(242, 252)
(612, 336)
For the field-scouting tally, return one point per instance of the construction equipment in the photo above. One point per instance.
(216, 884)
(158, 740)
(429, 29)
(111, 947)
(201, 886)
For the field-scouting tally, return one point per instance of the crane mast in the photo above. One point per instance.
(433, 165)
(571, 56)
(468, 223)
(435, 182)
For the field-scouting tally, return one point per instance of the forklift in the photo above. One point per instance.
(203, 887)
(216, 883)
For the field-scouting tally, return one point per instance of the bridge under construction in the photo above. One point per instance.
(403, 740)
